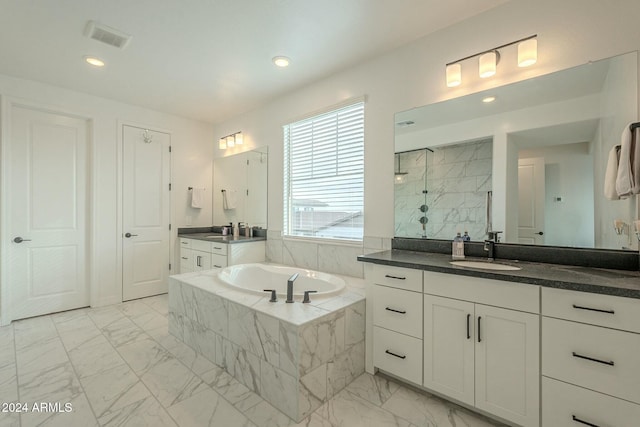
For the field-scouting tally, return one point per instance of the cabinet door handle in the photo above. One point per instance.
(468, 326)
(479, 338)
(396, 355)
(604, 362)
(579, 307)
(578, 420)
(198, 257)
(395, 311)
(394, 277)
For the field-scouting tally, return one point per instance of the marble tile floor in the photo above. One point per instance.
(118, 366)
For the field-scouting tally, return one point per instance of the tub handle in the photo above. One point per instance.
(306, 296)
(274, 298)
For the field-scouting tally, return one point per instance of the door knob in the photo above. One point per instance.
(20, 240)
(540, 233)
(127, 235)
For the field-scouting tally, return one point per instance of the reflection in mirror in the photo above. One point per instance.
(444, 191)
(551, 137)
(243, 177)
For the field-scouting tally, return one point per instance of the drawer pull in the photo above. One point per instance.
(395, 311)
(579, 307)
(479, 338)
(394, 277)
(215, 247)
(217, 266)
(184, 257)
(396, 355)
(468, 326)
(578, 420)
(604, 362)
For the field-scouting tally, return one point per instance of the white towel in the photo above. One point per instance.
(229, 199)
(624, 180)
(611, 174)
(197, 197)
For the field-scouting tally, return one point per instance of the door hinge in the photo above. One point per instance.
(169, 148)
(169, 266)
(169, 186)
(247, 192)
(169, 226)
(247, 162)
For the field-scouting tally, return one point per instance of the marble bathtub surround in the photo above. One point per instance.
(295, 356)
(324, 256)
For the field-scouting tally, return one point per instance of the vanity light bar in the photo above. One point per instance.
(230, 140)
(488, 60)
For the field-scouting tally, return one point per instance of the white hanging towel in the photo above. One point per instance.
(197, 198)
(611, 174)
(635, 159)
(624, 180)
(229, 199)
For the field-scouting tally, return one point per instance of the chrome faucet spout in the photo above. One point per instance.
(290, 287)
(489, 247)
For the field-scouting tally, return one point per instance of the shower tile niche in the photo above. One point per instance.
(442, 190)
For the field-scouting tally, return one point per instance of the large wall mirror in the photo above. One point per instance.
(240, 188)
(528, 159)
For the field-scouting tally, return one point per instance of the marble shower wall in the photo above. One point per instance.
(296, 368)
(457, 178)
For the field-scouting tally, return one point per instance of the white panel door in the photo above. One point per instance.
(508, 364)
(449, 347)
(531, 193)
(146, 252)
(47, 218)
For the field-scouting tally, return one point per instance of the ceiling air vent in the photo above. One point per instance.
(108, 35)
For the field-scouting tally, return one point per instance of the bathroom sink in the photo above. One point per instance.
(485, 265)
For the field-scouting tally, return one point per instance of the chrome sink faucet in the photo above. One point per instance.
(490, 243)
(290, 287)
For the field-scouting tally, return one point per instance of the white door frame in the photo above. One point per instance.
(7, 103)
(119, 194)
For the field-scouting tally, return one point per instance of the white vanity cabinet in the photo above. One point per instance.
(590, 347)
(395, 301)
(482, 344)
(197, 255)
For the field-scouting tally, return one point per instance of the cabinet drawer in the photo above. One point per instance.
(200, 245)
(516, 296)
(398, 310)
(601, 359)
(397, 277)
(219, 248)
(565, 405)
(185, 243)
(596, 309)
(398, 354)
(218, 261)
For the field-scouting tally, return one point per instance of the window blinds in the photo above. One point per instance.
(324, 175)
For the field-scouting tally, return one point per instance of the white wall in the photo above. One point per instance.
(570, 33)
(192, 143)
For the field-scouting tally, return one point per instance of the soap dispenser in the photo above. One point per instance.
(457, 247)
(236, 230)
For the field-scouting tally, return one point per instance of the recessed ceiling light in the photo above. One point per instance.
(488, 99)
(96, 62)
(281, 61)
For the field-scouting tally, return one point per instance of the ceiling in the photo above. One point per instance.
(210, 59)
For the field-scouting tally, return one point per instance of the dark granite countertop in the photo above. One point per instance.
(622, 283)
(219, 238)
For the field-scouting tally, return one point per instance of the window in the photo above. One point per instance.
(324, 175)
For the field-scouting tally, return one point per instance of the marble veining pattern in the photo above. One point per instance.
(456, 179)
(135, 382)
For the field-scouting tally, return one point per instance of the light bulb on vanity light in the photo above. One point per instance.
(231, 141)
(527, 52)
(454, 75)
(238, 138)
(222, 143)
(487, 64)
